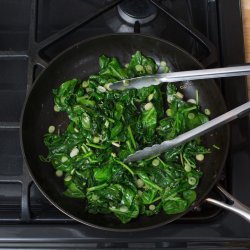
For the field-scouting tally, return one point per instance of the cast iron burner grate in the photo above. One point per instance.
(20, 200)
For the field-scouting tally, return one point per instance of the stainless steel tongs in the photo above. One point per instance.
(198, 131)
(148, 80)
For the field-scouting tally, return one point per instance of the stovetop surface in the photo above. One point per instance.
(26, 45)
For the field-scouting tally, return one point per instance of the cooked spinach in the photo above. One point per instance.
(106, 126)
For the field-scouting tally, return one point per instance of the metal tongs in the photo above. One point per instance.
(149, 80)
(146, 81)
(198, 131)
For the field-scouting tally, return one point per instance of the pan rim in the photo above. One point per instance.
(29, 93)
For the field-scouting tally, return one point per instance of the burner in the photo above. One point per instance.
(137, 10)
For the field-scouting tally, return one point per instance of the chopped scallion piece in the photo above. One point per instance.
(124, 209)
(191, 116)
(59, 173)
(163, 64)
(51, 129)
(74, 152)
(150, 97)
(199, 157)
(68, 178)
(179, 95)
(139, 183)
(64, 159)
(151, 207)
(101, 89)
(155, 162)
(207, 111)
(139, 67)
(169, 112)
(56, 108)
(85, 84)
(192, 181)
(187, 167)
(191, 101)
(148, 106)
(96, 139)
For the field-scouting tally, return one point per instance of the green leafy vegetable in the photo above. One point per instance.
(106, 126)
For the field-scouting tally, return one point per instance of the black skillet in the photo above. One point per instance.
(80, 61)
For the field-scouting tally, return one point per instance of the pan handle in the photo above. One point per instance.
(236, 206)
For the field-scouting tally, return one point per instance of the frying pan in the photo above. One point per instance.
(80, 61)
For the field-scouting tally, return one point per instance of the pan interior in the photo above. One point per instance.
(80, 61)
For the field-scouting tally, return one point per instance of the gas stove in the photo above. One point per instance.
(210, 30)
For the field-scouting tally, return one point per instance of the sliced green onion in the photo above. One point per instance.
(163, 64)
(113, 154)
(187, 167)
(191, 116)
(192, 181)
(151, 207)
(149, 69)
(96, 139)
(74, 152)
(169, 112)
(56, 108)
(191, 101)
(150, 97)
(207, 111)
(68, 178)
(64, 159)
(148, 106)
(101, 89)
(59, 173)
(139, 67)
(124, 209)
(85, 84)
(155, 162)
(199, 157)
(139, 183)
(51, 129)
(116, 144)
(106, 124)
(179, 95)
